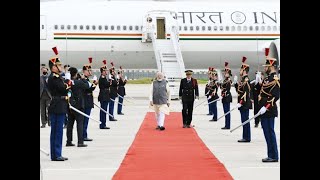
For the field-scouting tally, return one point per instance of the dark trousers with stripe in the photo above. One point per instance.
(56, 134)
(214, 110)
(270, 136)
(246, 133)
(103, 115)
(119, 105)
(226, 108)
(210, 107)
(111, 107)
(187, 109)
(87, 111)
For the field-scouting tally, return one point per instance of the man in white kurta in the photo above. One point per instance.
(160, 99)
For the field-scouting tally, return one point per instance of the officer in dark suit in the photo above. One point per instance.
(88, 98)
(121, 90)
(269, 95)
(187, 93)
(104, 94)
(58, 107)
(45, 97)
(213, 94)
(244, 100)
(79, 85)
(113, 92)
(226, 94)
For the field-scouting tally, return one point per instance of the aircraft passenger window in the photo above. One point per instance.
(112, 28)
(55, 27)
(81, 27)
(227, 28)
(136, 28)
(257, 28)
(274, 28)
(62, 27)
(105, 27)
(124, 28)
(68, 27)
(179, 28)
(250, 28)
(141, 27)
(233, 28)
(118, 28)
(262, 28)
(191, 28)
(203, 28)
(221, 28)
(87, 27)
(197, 28)
(185, 28)
(209, 28)
(130, 28)
(75, 27)
(239, 28)
(93, 27)
(245, 28)
(42, 26)
(269, 28)
(100, 27)
(215, 28)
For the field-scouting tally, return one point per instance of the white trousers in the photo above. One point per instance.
(160, 118)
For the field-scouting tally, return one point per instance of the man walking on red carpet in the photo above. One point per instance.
(160, 99)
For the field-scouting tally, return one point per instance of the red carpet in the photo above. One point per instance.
(173, 154)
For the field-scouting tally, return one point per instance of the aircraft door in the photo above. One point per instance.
(43, 28)
(161, 28)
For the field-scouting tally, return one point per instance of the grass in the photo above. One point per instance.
(148, 81)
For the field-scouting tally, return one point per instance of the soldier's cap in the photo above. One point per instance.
(104, 66)
(54, 61)
(73, 71)
(87, 66)
(244, 65)
(227, 69)
(188, 72)
(271, 62)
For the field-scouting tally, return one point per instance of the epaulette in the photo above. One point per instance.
(275, 77)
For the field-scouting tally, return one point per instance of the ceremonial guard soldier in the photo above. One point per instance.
(58, 107)
(113, 91)
(226, 94)
(188, 92)
(104, 94)
(269, 95)
(206, 91)
(88, 98)
(213, 94)
(244, 100)
(121, 90)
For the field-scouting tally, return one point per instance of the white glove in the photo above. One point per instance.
(258, 77)
(94, 78)
(263, 110)
(253, 81)
(125, 78)
(69, 94)
(235, 79)
(67, 76)
(209, 97)
(89, 84)
(117, 76)
(109, 76)
(239, 105)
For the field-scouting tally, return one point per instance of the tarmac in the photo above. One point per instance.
(103, 156)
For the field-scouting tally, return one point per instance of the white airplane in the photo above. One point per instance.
(209, 33)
